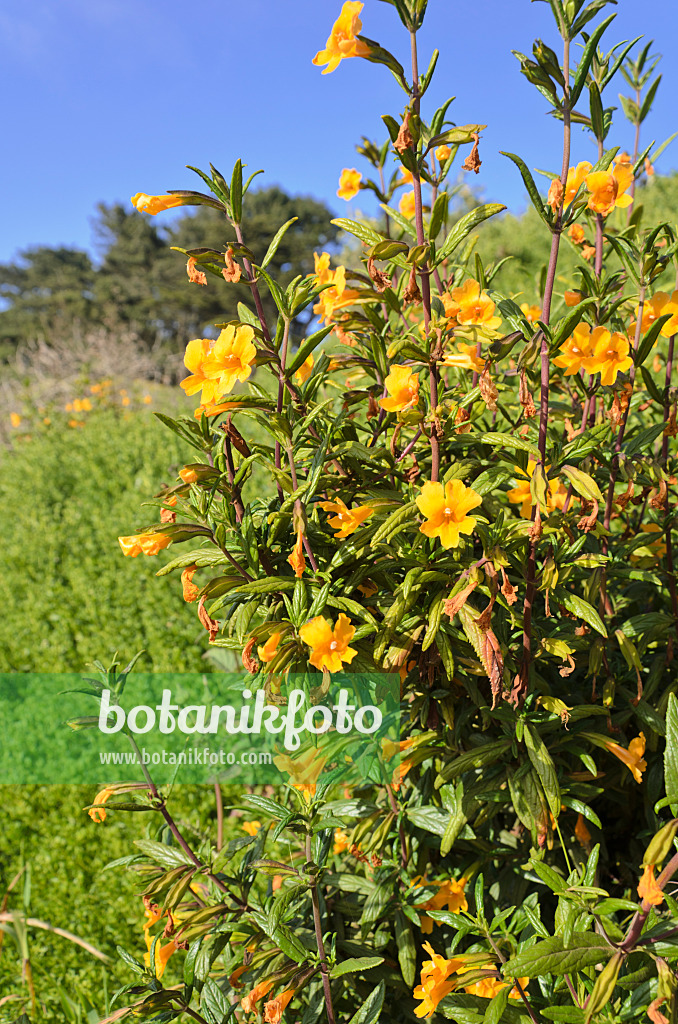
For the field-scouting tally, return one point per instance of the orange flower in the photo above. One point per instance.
(588, 251)
(196, 353)
(189, 476)
(648, 889)
(337, 296)
(465, 357)
(474, 307)
(446, 510)
(608, 188)
(581, 831)
(15, 419)
(190, 589)
(610, 355)
(249, 1002)
(660, 304)
(572, 298)
(521, 494)
(487, 988)
(349, 183)
(195, 276)
(435, 981)
(342, 41)
(251, 827)
(296, 559)
(555, 196)
(407, 205)
(329, 646)
(575, 179)
(230, 360)
(633, 757)
(576, 349)
(346, 520)
(144, 544)
(96, 811)
(532, 313)
(269, 650)
(274, 1008)
(450, 894)
(341, 842)
(577, 234)
(304, 372)
(403, 389)
(155, 204)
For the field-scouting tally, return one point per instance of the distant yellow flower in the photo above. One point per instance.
(443, 153)
(532, 313)
(15, 419)
(342, 41)
(407, 205)
(349, 183)
(648, 889)
(633, 757)
(341, 842)
(521, 494)
(403, 389)
(406, 177)
(608, 189)
(155, 204)
(435, 981)
(575, 179)
(296, 559)
(144, 544)
(329, 646)
(576, 349)
(251, 827)
(610, 355)
(577, 234)
(305, 370)
(345, 520)
(446, 510)
(96, 811)
(474, 307)
(147, 399)
(270, 648)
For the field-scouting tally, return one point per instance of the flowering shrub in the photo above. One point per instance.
(473, 492)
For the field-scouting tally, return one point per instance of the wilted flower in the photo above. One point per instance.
(329, 646)
(269, 649)
(249, 1002)
(274, 1008)
(648, 889)
(577, 234)
(446, 510)
(345, 520)
(96, 811)
(195, 276)
(342, 41)
(296, 559)
(349, 183)
(189, 588)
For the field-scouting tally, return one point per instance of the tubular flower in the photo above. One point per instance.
(577, 234)
(349, 183)
(190, 589)
(144, 544)
(633, 757)
(648, 889)
(487, 988)
(230, 361)
(249, 1002)
(435, 981)
(575, 179)
(274, 1008)
(407, 205)
(303, 770)
(251, 827)
(521, 494)
(305, 370)
(660, 304)
(335, 297)
(474, 307)
(329, 646)
(572, 298)
(342, 41)
(465, 357)
(155, 204)
(296, 559)
(270, 648)
(197, 351)
(532, 313)
(446, 510)
(96, 811)
(608, 188)
(403, 389)
(610, 355)
(450, 894)
(577, 349)
(346, 520)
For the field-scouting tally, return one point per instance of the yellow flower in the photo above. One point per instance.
(532, 313)
(304, 770)
(341, 842)
(346, 520)
(322, 273)
(487, 988)
(305, 370)
(575, 179)
(189, 476)
(474, 307)
(269, 650)
(633, 757)
(96, 811)
(465, 357)
(15, 419)
(251, 827)
(342, 41)
(196, 353)
(147, 399)
(274, 1008)
(608, 188)
(450, 894)
(521, 495)
(296, 559)
(648, 889)
(609, 356)
(406, 177)
(446, 510)
(406, 205)
(144, 544)
(660, 304)
(349, 183)
(572, 298)
(403, 389)
(335, 297)
(576, 349)
(230, 361)
(443, 153)
(435, 981)
(329, 646)
(577, 234)
(155, 204)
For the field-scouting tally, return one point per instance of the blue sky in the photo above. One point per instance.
(104, 98)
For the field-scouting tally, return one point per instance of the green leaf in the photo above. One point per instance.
(476, 758)
(167, 856)
(275, 242)
(581, 608)
(671, 753)
(236, 192)
(509, 441)
(552, 956)
(407, 950)
(355, 964)
(544, 766)
(307, 346)
(528, 180)
(370, 1010)
(432, 819)
(495, 1011)
(366, 234)
(464, 227)
(583, 484)
(586, 58)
